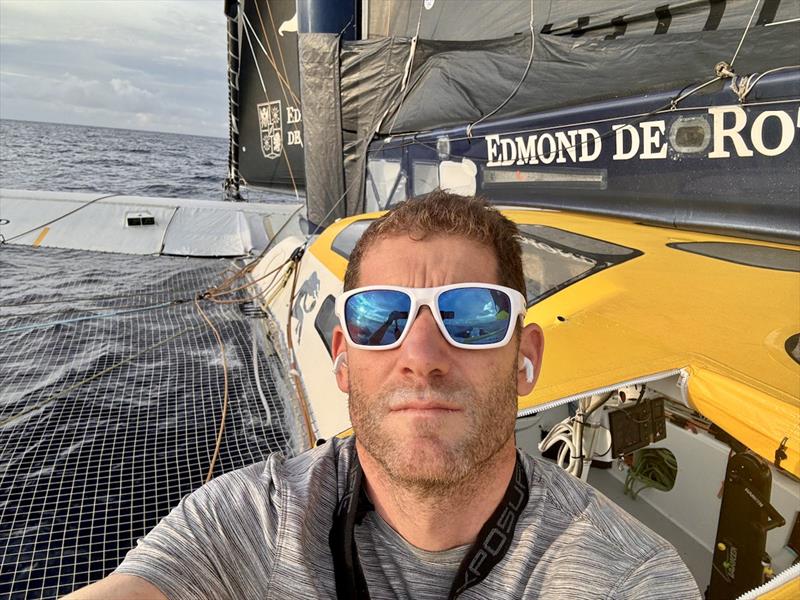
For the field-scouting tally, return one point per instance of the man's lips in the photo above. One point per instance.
(425, 406)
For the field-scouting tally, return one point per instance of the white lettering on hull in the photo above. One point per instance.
(647, 140)
(576, 145)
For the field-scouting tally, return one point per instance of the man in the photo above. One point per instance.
(430, 498)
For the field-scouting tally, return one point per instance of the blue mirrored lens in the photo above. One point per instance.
(376, 317)
(476, 316)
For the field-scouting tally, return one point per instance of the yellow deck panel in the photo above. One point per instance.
(724, 323)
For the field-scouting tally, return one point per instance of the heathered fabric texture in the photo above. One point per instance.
(262, 532)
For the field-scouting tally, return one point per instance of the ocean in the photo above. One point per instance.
(74, 158)
(112, 385)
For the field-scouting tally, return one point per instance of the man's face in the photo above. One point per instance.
(427, 412)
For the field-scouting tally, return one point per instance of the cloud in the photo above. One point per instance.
(133, 98)
(152, 65)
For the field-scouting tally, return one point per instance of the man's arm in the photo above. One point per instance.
(217, 543)
(118, 587)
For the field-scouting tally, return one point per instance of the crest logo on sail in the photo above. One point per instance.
(269, 121)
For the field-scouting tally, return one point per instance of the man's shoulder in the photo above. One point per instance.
(569, 522)
(567, 501)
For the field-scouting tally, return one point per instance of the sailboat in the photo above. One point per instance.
(649, 154)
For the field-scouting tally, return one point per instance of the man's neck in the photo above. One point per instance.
(440, 521)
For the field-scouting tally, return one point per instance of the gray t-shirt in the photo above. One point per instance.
(262, 532)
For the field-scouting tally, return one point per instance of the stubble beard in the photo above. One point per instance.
(430, 463)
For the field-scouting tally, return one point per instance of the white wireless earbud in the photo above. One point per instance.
(528, 366)
(341, 361)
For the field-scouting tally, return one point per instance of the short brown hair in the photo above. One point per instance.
(442, 213)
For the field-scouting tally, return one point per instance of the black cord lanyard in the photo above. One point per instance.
(491, 545)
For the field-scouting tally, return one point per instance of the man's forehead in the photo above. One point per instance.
(438, 259)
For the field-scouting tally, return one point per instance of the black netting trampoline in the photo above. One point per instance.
(110, 402)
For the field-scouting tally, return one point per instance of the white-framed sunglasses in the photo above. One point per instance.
(475, 316)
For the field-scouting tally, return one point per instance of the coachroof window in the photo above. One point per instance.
(347, 238)
(553, 259)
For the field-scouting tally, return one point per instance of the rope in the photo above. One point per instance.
(258, 383)
(726, 70)
(515, 90)
(742, 86)
(257, 297)
(406, 74)
(652, 468)
(70, 299)
(81, 207)
(91, 317)
(673, 104)
(264, 89)
(628, 119)
(569, 432)
(220, 291)
(298, 384)
(283, 76)
(280, 50)
(223, 355)
(744, 35)
(88, 309)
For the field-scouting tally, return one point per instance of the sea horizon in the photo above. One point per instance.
(215, 137)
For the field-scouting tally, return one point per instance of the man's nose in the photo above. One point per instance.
(424, 352)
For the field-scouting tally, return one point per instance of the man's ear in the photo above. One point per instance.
(339, 347)
(531, 346)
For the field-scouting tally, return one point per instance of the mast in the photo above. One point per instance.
(232, 181)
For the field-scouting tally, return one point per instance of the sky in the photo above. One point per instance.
(156, 65)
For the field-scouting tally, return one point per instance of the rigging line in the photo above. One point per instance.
(280, 50)
(243, 271)
(221, 427)
(283, 77)
(269, 287)
(81, 207)
(407, 72)
(744, 35)
(751, 82)
(221, 290)
(280, 230)
(634, 118)
(256, 376)
(627, 120)
(298, 384)
(782, 22)
(334, 207)
(62, 310)
(91, 317)
(87, 298)
(255, 59)
(236, 273)
(516, 89)
(282, 284)
(244, 300)
(264, 89)
(74, 386)
(270, 59)
(674, 102)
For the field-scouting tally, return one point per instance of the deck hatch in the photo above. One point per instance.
(751, 255)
